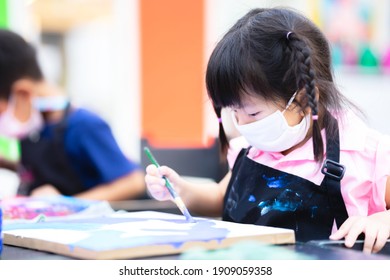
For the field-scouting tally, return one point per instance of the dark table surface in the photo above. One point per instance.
(315, 251)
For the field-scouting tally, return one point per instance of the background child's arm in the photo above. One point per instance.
(127, 187)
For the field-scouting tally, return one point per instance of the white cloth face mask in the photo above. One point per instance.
(11, 127)
(273, 133)
(50, 103)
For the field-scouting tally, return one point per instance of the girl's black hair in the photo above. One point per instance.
(17, 60)
(222, 135)
(273, 53)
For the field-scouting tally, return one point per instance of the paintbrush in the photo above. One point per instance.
(177, 199)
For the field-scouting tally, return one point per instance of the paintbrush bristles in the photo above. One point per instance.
(180, 204)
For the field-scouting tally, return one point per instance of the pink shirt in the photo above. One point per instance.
(364, 152)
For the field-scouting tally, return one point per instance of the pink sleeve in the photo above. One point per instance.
(235, 146)
(382, 171)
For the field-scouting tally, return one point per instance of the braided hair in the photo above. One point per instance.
(299, 55)
(273, 53)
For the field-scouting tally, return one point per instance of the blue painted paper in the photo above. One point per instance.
(132, 230)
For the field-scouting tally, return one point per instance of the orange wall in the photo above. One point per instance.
(172, 72)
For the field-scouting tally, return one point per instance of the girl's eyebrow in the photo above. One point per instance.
(249, 104)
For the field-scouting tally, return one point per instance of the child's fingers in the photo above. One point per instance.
(151, 180)
(337, 235)
(355, 230)
(158, 192)
(343, 230)
(155, 183)
(159, 171)
(370, 236)
(166, 171)
(156, 187)
(151, 169)
(381, 239)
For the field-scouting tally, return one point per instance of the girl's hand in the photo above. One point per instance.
(156, 184)
(375, 227)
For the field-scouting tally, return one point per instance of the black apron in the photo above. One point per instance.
(261, 195)
(45, 161)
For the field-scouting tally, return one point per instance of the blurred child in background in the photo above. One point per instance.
(64, 150)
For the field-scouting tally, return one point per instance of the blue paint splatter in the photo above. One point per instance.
(287, 201)
(314, 210)
(276, 182)
(282, 181)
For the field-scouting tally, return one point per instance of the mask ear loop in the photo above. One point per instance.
(290, 101)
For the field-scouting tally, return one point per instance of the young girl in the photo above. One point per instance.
(311, 164)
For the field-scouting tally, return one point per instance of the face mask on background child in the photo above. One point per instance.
(50, 103)
(273, 133)
(11, 127)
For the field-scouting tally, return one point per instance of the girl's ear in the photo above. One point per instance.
(22, 97)
(301, 95)
(301, 98)
(3, 105)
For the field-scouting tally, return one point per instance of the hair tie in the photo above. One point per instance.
(220, 120)
(288, 35)
(314, 117)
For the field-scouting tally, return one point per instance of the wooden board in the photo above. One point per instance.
(130, 235)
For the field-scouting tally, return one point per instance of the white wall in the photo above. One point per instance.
(103, 71)
(371, 92)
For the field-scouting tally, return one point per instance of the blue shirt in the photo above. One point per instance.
(92, 149)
